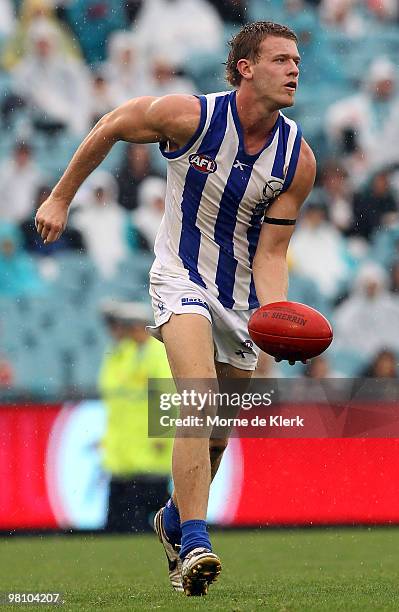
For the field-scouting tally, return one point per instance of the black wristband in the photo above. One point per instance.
(279, 221)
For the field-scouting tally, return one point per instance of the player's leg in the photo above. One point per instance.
(200, 567)
(191, 360)
(235, 360)
(191, 349)
(189, 346)
(225, 372)
(217, 446)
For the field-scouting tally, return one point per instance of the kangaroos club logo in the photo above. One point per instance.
(202, 163)
(272, 189)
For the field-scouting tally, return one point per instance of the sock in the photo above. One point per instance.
(194, 535)
(171, 522)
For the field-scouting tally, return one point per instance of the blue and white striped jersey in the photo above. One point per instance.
(216, 199)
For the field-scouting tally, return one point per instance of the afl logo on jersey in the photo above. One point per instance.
(202, 163)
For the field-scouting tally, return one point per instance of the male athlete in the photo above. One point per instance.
(238, 172)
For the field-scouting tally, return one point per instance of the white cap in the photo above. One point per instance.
(381, 69)
(150, 189)
(370, 272)
(127, 312)
(101, 179)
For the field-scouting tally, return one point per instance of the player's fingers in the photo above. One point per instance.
(53, 234)
(46, 228)
(40, 225)
(51, 237)
(39, 220)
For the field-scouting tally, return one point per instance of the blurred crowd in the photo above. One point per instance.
(65, 64)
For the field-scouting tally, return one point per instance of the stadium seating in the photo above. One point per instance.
(56, 342)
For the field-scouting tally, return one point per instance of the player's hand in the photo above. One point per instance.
(291, 361)
(51, 219)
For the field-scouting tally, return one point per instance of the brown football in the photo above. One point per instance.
(290, 330)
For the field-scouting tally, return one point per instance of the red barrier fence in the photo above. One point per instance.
(50, 475)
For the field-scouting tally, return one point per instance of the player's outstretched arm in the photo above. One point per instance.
(171, 119)
(270, 265)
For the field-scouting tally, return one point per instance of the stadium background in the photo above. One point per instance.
(63, 66)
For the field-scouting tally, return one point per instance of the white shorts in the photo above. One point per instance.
(175, 295)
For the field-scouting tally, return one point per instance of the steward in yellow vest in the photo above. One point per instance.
(139, 465)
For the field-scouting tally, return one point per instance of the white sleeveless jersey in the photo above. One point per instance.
(216, 199)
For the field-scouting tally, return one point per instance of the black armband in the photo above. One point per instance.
(279, 221)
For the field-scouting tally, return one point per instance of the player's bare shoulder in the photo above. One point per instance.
(172, 118)
(176, 116)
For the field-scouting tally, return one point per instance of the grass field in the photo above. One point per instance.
(333, 569)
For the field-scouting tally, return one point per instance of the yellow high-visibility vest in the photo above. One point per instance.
(127, 449)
